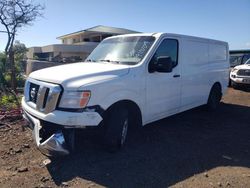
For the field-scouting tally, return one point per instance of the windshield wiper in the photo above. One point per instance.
(107, 60)
(90, 60)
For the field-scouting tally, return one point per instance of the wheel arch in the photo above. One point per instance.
(216, 85)
(133, 109)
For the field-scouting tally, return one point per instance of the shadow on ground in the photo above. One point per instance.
(245, 88)
(165, 152)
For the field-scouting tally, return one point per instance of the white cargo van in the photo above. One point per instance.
(128, 80)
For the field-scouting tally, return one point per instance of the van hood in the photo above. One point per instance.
(244, 66)
(78, 74)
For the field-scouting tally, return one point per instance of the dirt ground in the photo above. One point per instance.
(193, 149)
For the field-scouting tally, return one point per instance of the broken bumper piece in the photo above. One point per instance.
(54, 145)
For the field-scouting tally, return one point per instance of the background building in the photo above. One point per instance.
(75, 46)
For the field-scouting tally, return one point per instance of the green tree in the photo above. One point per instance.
(15, 14)
(20, 65)
(20, 56)
(2, 61)
(2, 68)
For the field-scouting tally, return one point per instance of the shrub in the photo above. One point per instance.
(20, 80)
(9, 101)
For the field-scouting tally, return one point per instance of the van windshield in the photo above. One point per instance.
(128, 50)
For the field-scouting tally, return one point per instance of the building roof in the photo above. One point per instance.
(100, 29)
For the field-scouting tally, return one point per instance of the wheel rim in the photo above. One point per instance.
(124, 131)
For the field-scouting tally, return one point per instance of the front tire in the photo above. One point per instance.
(117, 123)
(214, 97)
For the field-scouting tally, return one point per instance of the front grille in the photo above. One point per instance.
(33, 91)
(243, 72)
(41, 96)
(45, 97)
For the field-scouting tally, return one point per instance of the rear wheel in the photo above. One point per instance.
(117, 123)
(214, 97)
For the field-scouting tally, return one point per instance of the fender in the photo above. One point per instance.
(124, 95)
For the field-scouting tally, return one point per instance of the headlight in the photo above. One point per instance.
(74, 99)
(234, 70)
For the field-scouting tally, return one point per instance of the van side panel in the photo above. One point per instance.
(204, 63)
(217, 52)
(219, 63)
(195, 73)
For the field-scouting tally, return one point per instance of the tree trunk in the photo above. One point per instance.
(13, 70)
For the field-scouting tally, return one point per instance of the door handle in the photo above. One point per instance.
(176, 76)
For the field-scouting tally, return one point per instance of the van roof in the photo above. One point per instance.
(157, 35)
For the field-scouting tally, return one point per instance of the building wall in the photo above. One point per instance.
(82, 55)
(79, 38)
(32, 51)
(60, 51)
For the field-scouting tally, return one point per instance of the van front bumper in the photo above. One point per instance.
(54, 143)
(90, 117)
(52, 146)
(241, 80)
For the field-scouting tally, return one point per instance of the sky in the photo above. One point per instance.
(227, 20)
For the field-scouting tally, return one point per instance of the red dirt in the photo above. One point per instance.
(193, 149)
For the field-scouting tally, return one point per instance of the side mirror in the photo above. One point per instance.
(164, 64)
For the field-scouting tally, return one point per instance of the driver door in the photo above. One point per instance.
(163, 90)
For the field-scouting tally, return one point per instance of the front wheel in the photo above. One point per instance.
(117, 123)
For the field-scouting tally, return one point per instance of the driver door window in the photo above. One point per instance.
(168, 47)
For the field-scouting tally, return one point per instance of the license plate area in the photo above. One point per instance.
(246, 81)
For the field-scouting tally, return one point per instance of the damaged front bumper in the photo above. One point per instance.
(51, 146)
